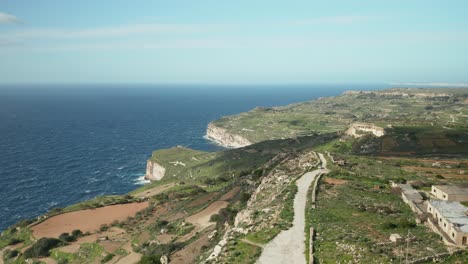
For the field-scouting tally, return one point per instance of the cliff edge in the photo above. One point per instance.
(224, 138)
(154, 171)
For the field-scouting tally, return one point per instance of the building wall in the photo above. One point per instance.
(448, 197)
(439, 193)
(455, 234)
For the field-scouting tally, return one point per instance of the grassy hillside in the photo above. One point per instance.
(334, 114)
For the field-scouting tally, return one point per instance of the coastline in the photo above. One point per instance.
(222, 137)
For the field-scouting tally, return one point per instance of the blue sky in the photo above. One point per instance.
(215, 41)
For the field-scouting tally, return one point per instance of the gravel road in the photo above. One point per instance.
(289, 245)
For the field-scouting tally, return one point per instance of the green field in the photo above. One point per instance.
(334, 114)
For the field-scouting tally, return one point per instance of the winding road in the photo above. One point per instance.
(289, 245)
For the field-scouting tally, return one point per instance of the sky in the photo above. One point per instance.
(242, 41)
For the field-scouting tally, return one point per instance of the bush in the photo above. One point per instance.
(66, 237)
(14, 241)
(24, 223)
(438, 176)
(405, 223)
(107, 258)
(77, 233)
(227, 215)
(103, 227)
(429, 107)
(214, 218)
(244, 197)
(41, 247)
(400, 180)
(389, 225)
(9, 254)
(152, 259)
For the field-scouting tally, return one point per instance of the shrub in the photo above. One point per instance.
(24, 223)
(66, 237)
(103, 227)
(389, 225)
(429, 107)
(107, 258)
(244, 197)
(152, 259)
(400, 180)
(258, 173)
(41, 247)
(14, 241)
(77, 233)
(214, 218)
(9, 254)
(227, 215)
(405, 223)
(438, 176)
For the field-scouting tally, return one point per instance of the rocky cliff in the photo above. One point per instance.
(222, 137)
(154, 171)
(359, 129)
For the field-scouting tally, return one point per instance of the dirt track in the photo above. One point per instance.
(289, 245)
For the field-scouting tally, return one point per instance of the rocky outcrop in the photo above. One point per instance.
(359, 129)
(154, 171)
(224, 138)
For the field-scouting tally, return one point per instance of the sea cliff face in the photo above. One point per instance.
(222, 137)
(154, 171)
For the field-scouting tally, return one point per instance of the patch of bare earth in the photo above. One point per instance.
(229, 195)
(192, 251)
(203, 200)
(156, 190)
(86, 220)
(432, 172)
(201, 220)
(131, 258)
(115, 236)
(334, 181)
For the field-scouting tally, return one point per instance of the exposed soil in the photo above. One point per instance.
(229, 195)
(155, 190)
(202, 218)
(334, 181)
(189, 253)
(203, 200)
(86, 220)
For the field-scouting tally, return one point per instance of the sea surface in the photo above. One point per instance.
(61, 144)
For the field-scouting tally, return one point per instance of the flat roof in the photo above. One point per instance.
(452, 189)
(453, 212)
(410, 192)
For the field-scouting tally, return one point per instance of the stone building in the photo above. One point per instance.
(450, 193)
(451, 218)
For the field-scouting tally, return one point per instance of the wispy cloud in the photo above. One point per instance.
(334, 20)
(108, 32)
(8, 19)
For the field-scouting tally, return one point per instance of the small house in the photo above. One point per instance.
(450, 193)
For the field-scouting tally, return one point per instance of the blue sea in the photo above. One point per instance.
(61, 144)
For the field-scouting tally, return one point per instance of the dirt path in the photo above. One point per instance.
(156, 190)
(289, 245)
